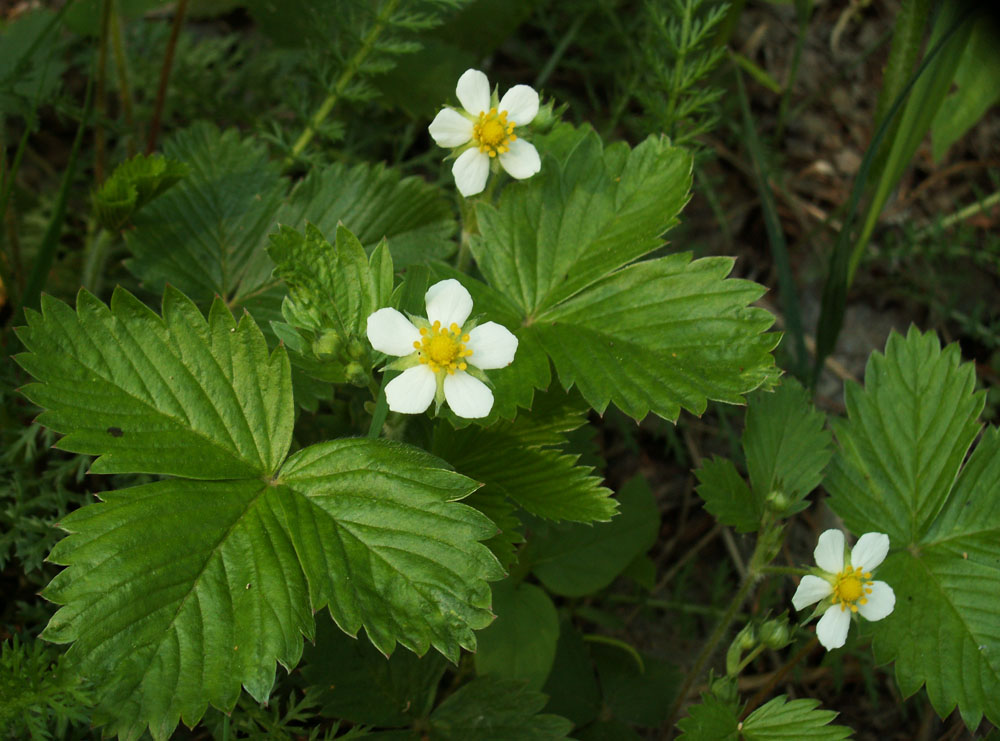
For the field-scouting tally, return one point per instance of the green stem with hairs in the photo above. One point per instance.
(350, 70)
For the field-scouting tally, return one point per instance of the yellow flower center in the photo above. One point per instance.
(850, 588)
(493, 133)
(442, 348)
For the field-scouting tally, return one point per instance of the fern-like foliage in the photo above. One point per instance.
(679, 54)
(40, 697)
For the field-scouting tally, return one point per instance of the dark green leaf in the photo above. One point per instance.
(710, 720)
(572, 685)
(634, 694)
(793, 720)
(727, 496)
(488, 708)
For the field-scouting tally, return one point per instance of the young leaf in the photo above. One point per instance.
(206, 235)
(574, 560)
(785, 444)
(793, 720)
(133, 184)
(179, 395)
(710, 720)
(901, 449)
(374, 203)
(727, 496)
(521, 643)
(493, 708)
(385, 513)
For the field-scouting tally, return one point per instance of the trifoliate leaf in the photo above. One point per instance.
(179, 395)
(521, 643)
(375, 203)
(133, 184)
(786, 446)
(355, 682)
(898, 471)
(794, 720)
(525, 461)
(574, 560)
(206, 235)
(655, 336)
(386, 514)
(493, 708)
(727, 496)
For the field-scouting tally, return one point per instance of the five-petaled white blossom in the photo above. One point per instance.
(443, 355)
(484, 131)
(844, 583)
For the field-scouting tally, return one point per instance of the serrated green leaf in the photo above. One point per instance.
(495, 504)
(727, 496)
(897, 471)
(386, 514)
(374, 202)
(661, 335)
(574, 559)
(179, 395)
(525, 461)
(785, 444)
(492, 708)
(654, 336)
(710, 720)
(521, 643)
(353, 681)
(794, 720)
(206, 235)
(133, 184)
(905, 437)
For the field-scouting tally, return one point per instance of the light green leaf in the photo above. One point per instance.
(375, 203)
(661, 335)
(385, 513)
(526, 461)
(488, 708)
(897, 471)
(785, 444)
(727, 496)
(206, 235)
(710, 720)
(574, 560)
(795, 720)
(978, 81)
(653, 336)
(133, 184)
(521, 643)
(178, 395)
(177, 593)
(906, 435)
(561, 232)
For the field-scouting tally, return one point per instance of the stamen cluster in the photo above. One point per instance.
(493, 133)
(442, 348)
(851, 588)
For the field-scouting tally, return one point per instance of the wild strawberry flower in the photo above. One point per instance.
(843, 585)
(484, 131)
(443, 356)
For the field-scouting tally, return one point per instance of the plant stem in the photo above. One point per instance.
(94, 258)
(168, 62)
(351, 69)
(124, 89)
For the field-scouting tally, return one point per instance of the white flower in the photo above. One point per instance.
(843, 582)
(443, 356)
(484, 130)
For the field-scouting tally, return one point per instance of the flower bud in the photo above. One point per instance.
(775, 633)
(356, 374)
(778, 502)
(356, 349)
(327, 345)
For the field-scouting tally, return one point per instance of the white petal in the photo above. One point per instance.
(880, 603)
(392, 333)
(412, 391)
(521, 104)
(492, 345)
(870, 551)
(811, 589)
(450, 128)
(467, 396)
(829, 553)
(832, 627)
(522, 161)
(471, 170)
(473, 91)
(448, 302)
